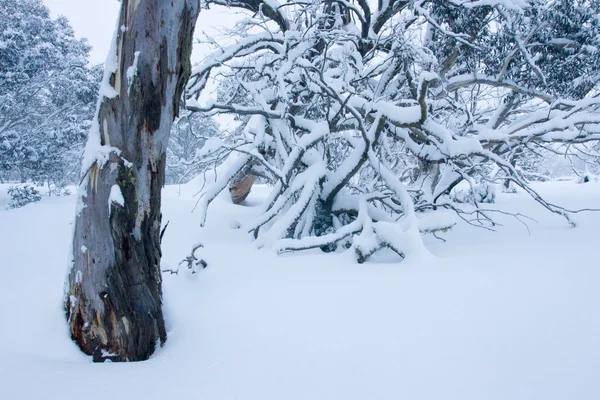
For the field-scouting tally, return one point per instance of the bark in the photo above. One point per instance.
(114, 297)
(240, 187)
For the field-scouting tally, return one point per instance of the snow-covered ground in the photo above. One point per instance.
(498, 315)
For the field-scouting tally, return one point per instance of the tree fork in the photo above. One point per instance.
(114, 294)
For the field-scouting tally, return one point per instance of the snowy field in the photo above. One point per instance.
(496, 315)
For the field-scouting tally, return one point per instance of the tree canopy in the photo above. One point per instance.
(367, 115)
(47, 94)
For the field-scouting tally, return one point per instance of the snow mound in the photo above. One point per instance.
(496, 315)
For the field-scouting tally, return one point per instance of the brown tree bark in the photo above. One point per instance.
(240, 187)
(114, 298)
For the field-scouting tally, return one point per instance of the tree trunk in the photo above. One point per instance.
(240, 187)
(114, 294)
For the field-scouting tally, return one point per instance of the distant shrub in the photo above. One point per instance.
(22, 195)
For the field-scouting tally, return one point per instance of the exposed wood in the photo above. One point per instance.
(240, 187)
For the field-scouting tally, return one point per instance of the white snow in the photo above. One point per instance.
(78, 279)
(132, 71)
(116, 196)
(399, 115)
(95, 152)
(496, 315)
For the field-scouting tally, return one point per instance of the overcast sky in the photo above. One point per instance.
(92, 19)
(96, 20)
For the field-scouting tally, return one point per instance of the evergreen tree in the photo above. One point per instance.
(47, 94)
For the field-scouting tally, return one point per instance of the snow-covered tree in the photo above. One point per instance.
(188, 134)
(366, 115)
(47, 94)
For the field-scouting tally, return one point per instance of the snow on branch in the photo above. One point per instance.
(366, 127)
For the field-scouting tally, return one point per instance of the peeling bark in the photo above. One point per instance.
(240, 187)
(114, 298)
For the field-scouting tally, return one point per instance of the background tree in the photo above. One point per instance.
(47, 94)
(188, 134)
(367, 116)
(114, 302)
